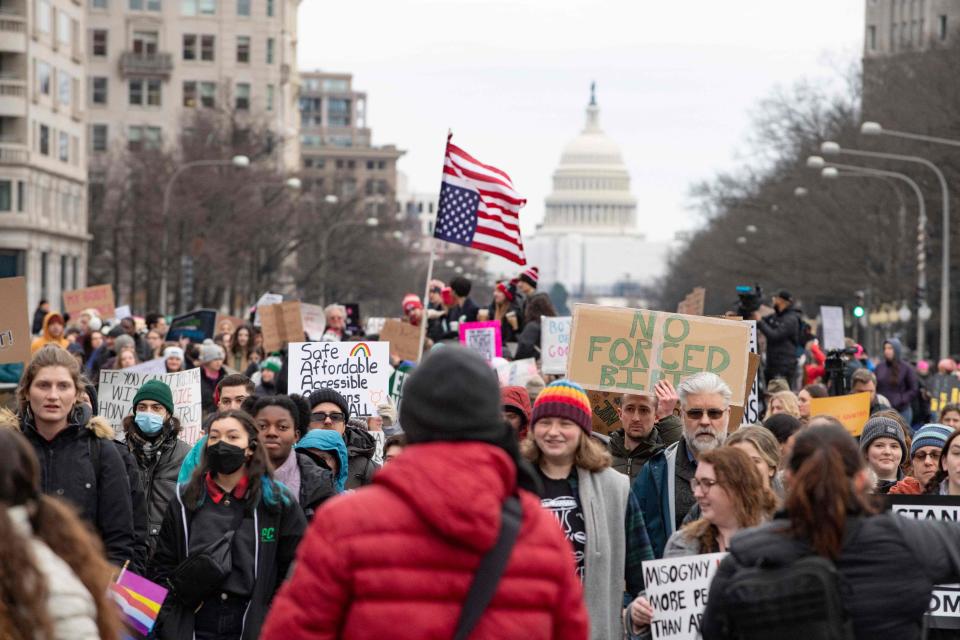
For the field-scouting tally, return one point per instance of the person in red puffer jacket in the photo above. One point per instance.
(396, 559)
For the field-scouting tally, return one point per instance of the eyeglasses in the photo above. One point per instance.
(713, 414)
(933, 455)
(321, 416)
(705, 483)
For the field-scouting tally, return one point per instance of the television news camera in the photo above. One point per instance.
(750, 299)
(834, 366)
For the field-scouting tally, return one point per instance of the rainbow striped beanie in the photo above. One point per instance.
(564, 399)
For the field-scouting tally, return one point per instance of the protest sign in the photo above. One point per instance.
(944, 612)
(117, 389)
(281, 324)
(852, 410)
(353, 319)
(157, 365)
(554, 344)
(404, 339)
(99, 297)
(677, 589)
(944, 389)
(229, 323)
(606, 414)
(314, 320)
(832, 319)
(374, 326)
(629, 350)
(197, 326)
(397, 378)
(14, 321)
(692, 304)
(517, 372)
(482, 337)
(751, 409)
(359, 371)
(122, 312)
(265, 300)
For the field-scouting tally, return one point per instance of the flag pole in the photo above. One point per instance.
(426, 299)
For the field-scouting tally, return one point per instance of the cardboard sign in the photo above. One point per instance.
(832, 318)
(314, 320)
(265, 300)
(117, 389)
(404, 339)
(852, 410)
(606, 414)
(629, 350)
(197, 326)
(554, 344)
(233, 322)
(944, 612)
(14, 321)
(517, 372)
(751, 409)
(99, 297)
(677, 589)
(359, 371)
(482, 337)
(692, 305)
(944, 389)
(281, 324)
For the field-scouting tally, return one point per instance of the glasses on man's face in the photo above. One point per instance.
(704, 484)
(321, 416)
(920, 456)
(713, 414)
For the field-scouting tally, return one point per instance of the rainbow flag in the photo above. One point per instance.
(139, 601)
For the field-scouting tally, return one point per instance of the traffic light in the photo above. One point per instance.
(858, 310)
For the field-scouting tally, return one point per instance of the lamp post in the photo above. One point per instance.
(832, 148)
(369, 222)
(855, 171)
(241, 162)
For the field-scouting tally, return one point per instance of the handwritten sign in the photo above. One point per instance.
(404, 339)
(677, 588)
(832, 318)
(99, 297)
(517, 372)
(117, 389)
(265, 300)
(852, 410)
(482, 337)
(14, 321)
(314, 320)
(606, 413)
(359, 371)
(629, 350)
(281, 324)
(751, 410)
(554, 344)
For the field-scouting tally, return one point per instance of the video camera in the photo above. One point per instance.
(750, 299)
(834, 377)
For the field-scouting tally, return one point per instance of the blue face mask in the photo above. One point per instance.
(148, 422)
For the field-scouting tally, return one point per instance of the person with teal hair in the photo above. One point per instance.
(321, 445)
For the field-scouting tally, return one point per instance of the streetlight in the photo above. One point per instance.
(741, 240)
(876, 129)
(751, 228)
(369, 222)
(832, 148)
(800, 192)
(238, 161)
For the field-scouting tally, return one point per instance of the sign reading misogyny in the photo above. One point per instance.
(359, 371)
(630, 350)
(677, 589)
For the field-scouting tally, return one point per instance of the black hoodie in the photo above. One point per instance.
(360, 449)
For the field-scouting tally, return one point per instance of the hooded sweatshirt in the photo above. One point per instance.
(517, 399)
(46, 337)
(905, 388)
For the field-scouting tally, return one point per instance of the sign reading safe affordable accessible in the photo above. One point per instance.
(359, 371)
(629, 350)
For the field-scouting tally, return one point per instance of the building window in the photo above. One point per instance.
(872, 38)
(135, 139)
(64, 29)
(144, 92)
(338, 112)
(98, 137)
(942, 29)
(151, 137)
(75, 261)
(99, 42)
(64, 88)
(208, 7)
(243, 8)
(6, 195)
(44, 142)
(63, 146)
(136, 5)
(44, 273)
(243, 96)
(270, 45)
(382, 165)
(146, 42)
(44, 16)
(208, 94)
(370, 165)
(99, 90)
(154, 5)
(243, 48)
(198, 7)
(99, 4)
(207, 47)
(189, 93)
(270, 97)
(189, 46)
(143, 138)
(270, 8)
(43, 78)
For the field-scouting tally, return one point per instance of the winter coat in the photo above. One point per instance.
(396, 559)
(782, 330)
(158, 475)
(507, 333)
(656, 489)
(278, 530)
(920, 554)
(82, 465)
(466, 312)
(138, 502)
(208, 389)
(316, 485)
(906, 388)
(528, 341)
(360, 449)
(71, 608)
(909, 486)
(38, 317)
(629, 463)
(45, 336)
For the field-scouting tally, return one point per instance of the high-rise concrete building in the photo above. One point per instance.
(338, 157)
(43, 213)
(899, 26)
(153, 61)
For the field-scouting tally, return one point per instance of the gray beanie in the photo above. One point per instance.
(882, 427)
(123, 342)
(210, 351)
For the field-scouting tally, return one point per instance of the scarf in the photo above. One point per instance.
(289, 474)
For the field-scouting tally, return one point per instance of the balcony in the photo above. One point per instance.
(13, 98)
(13, 153)
(13, 32)
(146, 65)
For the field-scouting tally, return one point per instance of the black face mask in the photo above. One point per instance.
(225, 458)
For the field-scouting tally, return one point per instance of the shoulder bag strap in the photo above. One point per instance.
(491, 569)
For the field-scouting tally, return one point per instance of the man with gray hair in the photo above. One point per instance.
(663, 486)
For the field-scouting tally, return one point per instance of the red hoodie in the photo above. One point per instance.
(519, 399)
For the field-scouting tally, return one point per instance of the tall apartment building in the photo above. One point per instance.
(899, 26)
(335, 144)
(152, 61)
(43, 213)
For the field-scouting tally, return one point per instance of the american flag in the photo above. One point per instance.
(479, 207)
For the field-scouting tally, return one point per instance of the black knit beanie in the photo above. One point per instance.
(329, 395)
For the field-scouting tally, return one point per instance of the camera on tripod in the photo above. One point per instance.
(834, 367)
(750, 299)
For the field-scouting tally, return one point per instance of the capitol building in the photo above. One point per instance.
(589, 240)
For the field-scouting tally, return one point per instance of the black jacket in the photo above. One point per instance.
(280, 529)
(208, 388)
(316, 485)
(528, 341)
(360, 449)
(138, 501)
(82, 465)
(890, 565)
(782, 330)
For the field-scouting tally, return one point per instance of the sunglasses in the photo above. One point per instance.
(713, 414)
(321, 416)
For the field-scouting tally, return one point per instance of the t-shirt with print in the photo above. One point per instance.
(563, 501)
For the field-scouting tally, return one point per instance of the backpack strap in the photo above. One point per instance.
(491, 569)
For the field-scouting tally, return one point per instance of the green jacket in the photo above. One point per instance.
(629, 463)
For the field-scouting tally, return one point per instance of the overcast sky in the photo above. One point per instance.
(676, 81)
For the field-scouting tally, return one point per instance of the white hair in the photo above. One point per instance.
(702, 383)
(330, 308)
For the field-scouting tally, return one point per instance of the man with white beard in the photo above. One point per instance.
(663, 486)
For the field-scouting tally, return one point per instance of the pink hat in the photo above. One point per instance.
(411, 301)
